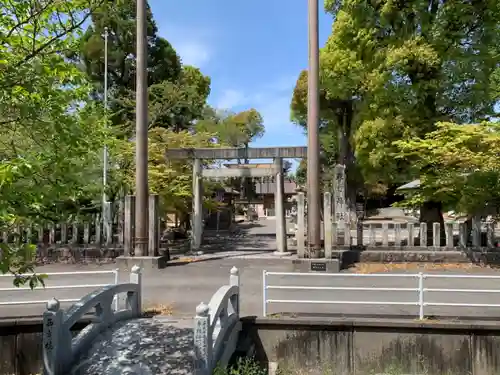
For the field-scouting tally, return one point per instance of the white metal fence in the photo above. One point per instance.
(50, 285)
(420, 290)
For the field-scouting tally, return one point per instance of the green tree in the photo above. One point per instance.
(458, 166)
(170, 179)
(337, 126)
(119, 17)
(405, 66)
(176, 105)
(177, 94)
(49, 130)
(234, 130)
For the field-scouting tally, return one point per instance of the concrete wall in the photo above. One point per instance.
(21, 345)
(343, 347)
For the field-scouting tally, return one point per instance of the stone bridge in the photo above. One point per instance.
(121, 341)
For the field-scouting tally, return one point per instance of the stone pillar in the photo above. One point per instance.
(301, 225)
(327, 223)
(340, 197)
(107, 221)
(154, 225)
(128, 226)
(197, 215)
(202, 341)
(279, 206)
(340, 204)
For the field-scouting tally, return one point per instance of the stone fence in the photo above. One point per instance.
(91, 237)
(393, 235)
(60, 348)
(217, 327)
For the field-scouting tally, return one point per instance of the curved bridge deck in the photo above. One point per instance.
(145, 346)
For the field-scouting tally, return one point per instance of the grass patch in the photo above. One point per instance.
(243, 366)
(163, 310)
(390, 267)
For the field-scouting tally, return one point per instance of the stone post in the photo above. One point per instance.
(490, 235)
(449, 235)
(462, 235)
(234, 280)
(279, 205)
(340, 206)
(56, 348)
(476, 232)
(423, 234)
(436, 236)
(107, 223)
(134, 300)
(154, 225)
(327, 222)
(128, 224)
(301, 224)
(197, 215)
(340, 197)
(411, 235)
(202, 341)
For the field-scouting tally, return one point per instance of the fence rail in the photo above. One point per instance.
(114, 273)
(420, 289)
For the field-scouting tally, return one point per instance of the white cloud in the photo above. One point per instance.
(230, 98)
(194, 46)
(193, 53)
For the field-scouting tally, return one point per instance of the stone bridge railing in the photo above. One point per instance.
(60, 348)
(217, 326)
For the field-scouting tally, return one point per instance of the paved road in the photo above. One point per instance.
(184, 285)
(250, 237)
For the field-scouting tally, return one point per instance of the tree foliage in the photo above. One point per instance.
(170, 179)
(458, 165)
(177, 93)
(119, 17)
(232, 129)
(49, 131)
(395, 69)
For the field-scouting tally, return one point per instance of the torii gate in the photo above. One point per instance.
(275, 153)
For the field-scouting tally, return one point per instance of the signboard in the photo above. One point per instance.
(318, 266)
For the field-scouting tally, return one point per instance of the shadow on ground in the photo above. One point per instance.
(246, 237)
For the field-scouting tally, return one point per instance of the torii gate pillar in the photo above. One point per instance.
(197, 216)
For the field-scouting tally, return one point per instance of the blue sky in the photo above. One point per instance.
(252, 50)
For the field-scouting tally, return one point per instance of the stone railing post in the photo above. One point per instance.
(234, 280)
(54, 350)
(134, 300)
(202, 341)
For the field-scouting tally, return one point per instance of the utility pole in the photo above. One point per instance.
(105, 207)
(313, 150)
(141, 135)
